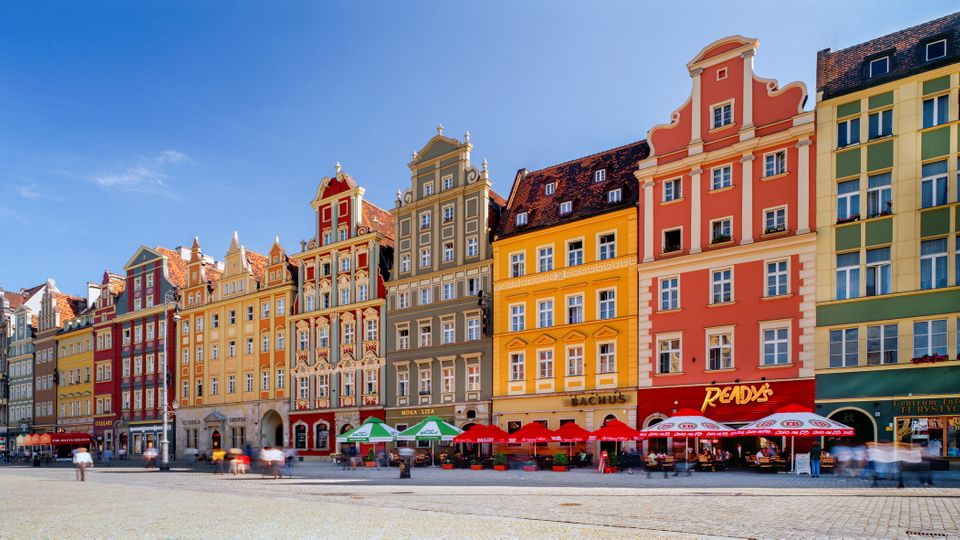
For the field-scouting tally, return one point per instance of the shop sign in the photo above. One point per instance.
(419, 412)
(103, 423)
(740, 394)
(190, 422)
(926, 406)
(239, 419)
(599, 399)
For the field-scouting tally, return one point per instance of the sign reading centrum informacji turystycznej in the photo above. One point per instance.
(926, 406)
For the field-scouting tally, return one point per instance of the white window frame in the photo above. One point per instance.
(926, 50)
(672, 189)
(669, 286)
(518, 317)
(607, 361)
(726, 117)
(545, 258)
(778, 160)
(614, 196)
(678, 351)
(720, 280)
(518, 264)
(606, 250)
(775, 326)
(721, 177)
(566, 208)
(517, 366)
(782, 277)
(886, 64)
(724, 331)
(545, 313)
(607, 307)
(550, 188)
(521, 219)
(545, 365)
(778, 215)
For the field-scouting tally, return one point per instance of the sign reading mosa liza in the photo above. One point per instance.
(740, 394)
(599, 399)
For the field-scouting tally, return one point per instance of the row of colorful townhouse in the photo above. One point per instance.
(747, 255)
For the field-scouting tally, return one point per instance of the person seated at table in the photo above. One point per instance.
(760, 454)
(582, 456)
(652, 459)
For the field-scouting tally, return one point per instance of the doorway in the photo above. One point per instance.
(216, 441)
(271, 429)
(611, 447)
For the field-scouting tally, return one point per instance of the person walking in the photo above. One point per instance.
(217, 456)
(108, 456)
(815, 453)
(82, 460)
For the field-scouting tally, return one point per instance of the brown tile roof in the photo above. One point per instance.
(211, 272)
(495, 197)
(68, 306)
(845, 71)
(575, 183)
(176, 266)
(15, 299)
(378, 219)
(257, 263)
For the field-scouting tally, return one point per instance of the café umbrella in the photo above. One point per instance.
(480, 434)
(615, 431)
(687, 423)
(534, 432)
(373, 430)
(795, 421)
(431, 428)
(571, 432)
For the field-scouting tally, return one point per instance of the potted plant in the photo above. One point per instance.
(529, 466)
(613, 464)
(476, 464)
(371, 459)
(500, 462)
(560, 462)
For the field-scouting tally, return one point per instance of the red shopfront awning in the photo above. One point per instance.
(60, 439)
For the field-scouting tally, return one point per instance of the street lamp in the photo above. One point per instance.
(164, 438)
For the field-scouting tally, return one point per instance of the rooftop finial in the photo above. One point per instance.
(484, 164)
(466, 136)
(337, 167)
(439, 129)
(413, 155)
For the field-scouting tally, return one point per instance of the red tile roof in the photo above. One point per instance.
(257, 264)
(495, 197)
(176, 266)
(575, 183)
(15, 299)
(379, 220)
(845, 71)
(68, 306)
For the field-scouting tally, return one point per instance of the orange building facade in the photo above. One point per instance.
(727, 245)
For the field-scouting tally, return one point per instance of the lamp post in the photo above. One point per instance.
(171, 298)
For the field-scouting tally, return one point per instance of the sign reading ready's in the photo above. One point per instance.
(740, 394)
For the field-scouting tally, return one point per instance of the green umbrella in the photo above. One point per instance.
(431, 428)
(373, 430)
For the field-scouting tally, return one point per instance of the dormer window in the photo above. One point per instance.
(521, 219)
(614, 196)
(936, 50)
(566, 207)
(550, 188)
(879, 66)
(600, 176)
(722, 115)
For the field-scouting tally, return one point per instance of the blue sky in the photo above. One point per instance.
(149, 122)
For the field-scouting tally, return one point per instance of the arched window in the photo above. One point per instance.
(321, 438)
(300, 437)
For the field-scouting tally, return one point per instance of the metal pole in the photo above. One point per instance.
(164, 441)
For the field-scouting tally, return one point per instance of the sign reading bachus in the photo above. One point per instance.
(741, 394)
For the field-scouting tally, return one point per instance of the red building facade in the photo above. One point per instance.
(727, 246)
(339, 321)
(106, 354)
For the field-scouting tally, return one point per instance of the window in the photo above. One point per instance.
(403, 339)
(362, 292)
(447, 251)
(878, 66)
(879, 195)
(311, 302)
(550, 189)
(880, 124)
(607, 246)
(249, 380)
(607, 355)
(878, 271)
(425, 220)
(608, 304)
(446, 182)
(517, 317)
(545, 364)
(403, 300)
(426, 335)
(936, 110)
(342, 233)
(447, 375)
(428, 189)
(521, 219)
(426, 381)
(575, 309)
(344, 263)
(264, 342)
(447, 214)
(405, 262)
(448, 291)
(722, 286)
(722, 177)
(280, 343)
(424, 257)
(516, 265)
(545, 259)
(575, 361)
(775, 163)
(720, 351)
(936, 49)
(473, 329)
(844, 347)
(848, 132)
(722, 115)
(372, 329)
(199, 390)
(672, 240)
(473, 286)
(848, 275)
(930, 338)
(775, 220)
(426, 296)
(473, 246)
(776, 346)
(403, 383)
(933, 263)
(614, 196)
(447, 333)
(668, 355)
(371, 381)
(232, 318)
(215, 320)
(264, 313)
(566, 208)
(473, 377)
(327, 237)
(349, 333)
(323, 336)
(671, 190)
(516, 367)
(882, 344)
(303, 388)
(721, 230)
(933, 186)
(575, 253)
(669, 293)
(600, 175)
(848, 200)
(545, 313)
(777, 278)
(249, 313)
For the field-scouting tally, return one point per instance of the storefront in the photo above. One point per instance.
(733, 405)
(931, 423)
(408, 417)
(258, 424)
(314, 434)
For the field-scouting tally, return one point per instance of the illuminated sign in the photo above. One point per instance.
(741, 394)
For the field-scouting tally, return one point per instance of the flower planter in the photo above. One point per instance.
(369, 464)
(499, 467)
(476, 467)
(447, 466)
(529, 468)
(559, 468)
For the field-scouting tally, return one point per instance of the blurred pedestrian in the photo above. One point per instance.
(150, 456)
(82, 460)
(108, 457)
(815, 454)
(217, 457)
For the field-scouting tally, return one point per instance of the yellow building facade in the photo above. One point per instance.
(232, 378)
(565, 289)
(75, 408)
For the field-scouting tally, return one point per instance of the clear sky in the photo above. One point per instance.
(151, 122)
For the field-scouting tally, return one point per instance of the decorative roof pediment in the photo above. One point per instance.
(574, 336)
(545, 339)
(214, 418)
(142, 255)
(516, 343)
(437, 146)
(720, 47)
(605, 332)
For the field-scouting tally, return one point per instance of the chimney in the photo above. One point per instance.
(93, 293)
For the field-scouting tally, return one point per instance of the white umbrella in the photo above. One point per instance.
(795, 421)
(687, 423)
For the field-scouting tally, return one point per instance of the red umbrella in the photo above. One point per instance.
(480, 433)
(534, 432)
(616, 431)
(571, 432)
